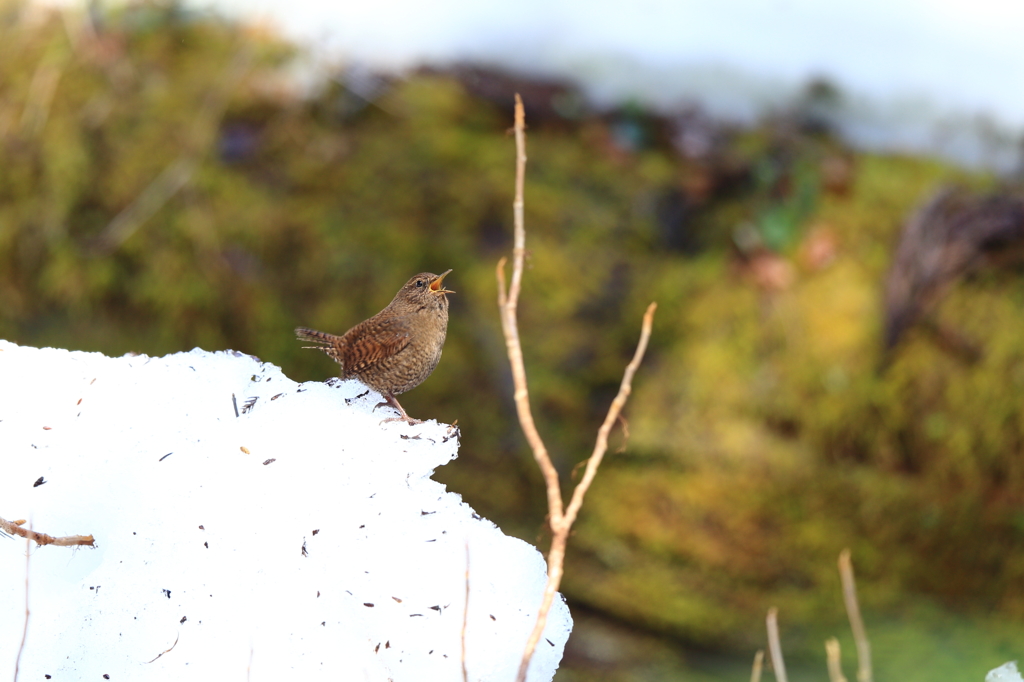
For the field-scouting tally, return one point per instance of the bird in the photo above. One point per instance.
(398, 348)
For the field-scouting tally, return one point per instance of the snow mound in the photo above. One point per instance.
(301, 539)
(1007, 672)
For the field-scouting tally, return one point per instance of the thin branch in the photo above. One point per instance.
(560, 518)
(860, 636)
(774, 647)
(508, 304)
(832, 656)
(14, 528)
(519, 237)
(755, 669)
(24, 632)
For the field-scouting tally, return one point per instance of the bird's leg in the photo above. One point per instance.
(391, 400)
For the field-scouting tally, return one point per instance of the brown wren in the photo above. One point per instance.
(395, 350)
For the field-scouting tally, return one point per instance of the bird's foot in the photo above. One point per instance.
(403, 417)
(409, 420)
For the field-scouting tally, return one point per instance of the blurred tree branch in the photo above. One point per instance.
(774, 645)
(860, 636)
(178, 173)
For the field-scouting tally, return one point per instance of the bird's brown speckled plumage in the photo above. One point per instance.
(395, 350)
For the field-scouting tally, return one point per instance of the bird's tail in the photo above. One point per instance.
(328, 343)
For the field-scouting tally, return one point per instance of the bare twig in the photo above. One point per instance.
(774, 647)
(24, 632)
(755, 670)
(560, 517)
(860, 636)
(832, 656)
(14, 528)
(507, 305)
(465, 619)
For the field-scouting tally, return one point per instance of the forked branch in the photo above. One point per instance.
(560, 517)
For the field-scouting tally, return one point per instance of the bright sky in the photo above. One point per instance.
(962, 56)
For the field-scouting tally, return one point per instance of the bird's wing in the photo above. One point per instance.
(374, 341)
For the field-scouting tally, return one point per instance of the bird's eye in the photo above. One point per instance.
(419, 282)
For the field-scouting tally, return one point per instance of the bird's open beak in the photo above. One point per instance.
(437, 287)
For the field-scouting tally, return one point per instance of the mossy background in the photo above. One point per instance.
(764, 438)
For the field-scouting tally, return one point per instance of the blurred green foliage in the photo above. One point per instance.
(164, 184)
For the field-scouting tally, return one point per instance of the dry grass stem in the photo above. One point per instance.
(755, 670)
(167, 650)
(24, 632)
(14, 528)
(832, 657)
(774, 647)
(860, 637)
(560, 517)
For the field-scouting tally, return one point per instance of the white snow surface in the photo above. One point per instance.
(324, 552)
(1007, 672)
